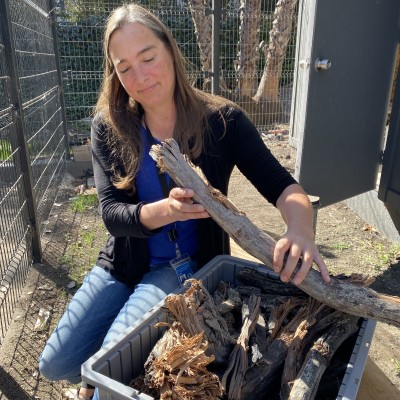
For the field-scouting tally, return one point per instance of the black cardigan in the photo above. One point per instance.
(125, 253)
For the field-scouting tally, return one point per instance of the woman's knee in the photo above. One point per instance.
(58, 369)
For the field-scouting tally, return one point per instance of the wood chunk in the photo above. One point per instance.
(196, 312)
(301, 340)
(238, 362)
(179, 369)
(268, 284)
(258, 341)
(306, 384)
(260, 376)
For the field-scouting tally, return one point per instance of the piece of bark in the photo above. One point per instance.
(352, 299)
(226, 298)
(301, 340)
(279, 315)
(196, 312)
(258, 340)
(177, 367)
(306, 384)
(228, 303)
(258, 377)
(268, 285)
(268, 301)
(238, 361)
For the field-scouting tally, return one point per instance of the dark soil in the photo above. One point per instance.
(73, 238)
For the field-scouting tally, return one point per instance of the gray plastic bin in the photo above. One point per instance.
(113, 367)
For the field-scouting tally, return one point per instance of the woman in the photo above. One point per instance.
(146, 98)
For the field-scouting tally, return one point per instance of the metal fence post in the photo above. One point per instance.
(18, 119)
(216, 45)
(52, 16)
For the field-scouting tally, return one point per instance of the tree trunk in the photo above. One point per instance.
(203, 29)
(268, 89)
(248, 47)
(339, 294)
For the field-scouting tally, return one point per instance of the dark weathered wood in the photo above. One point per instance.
(259, 376)
(269, 285)
(279, 315)
(306, 384)
(268, 301)
(352, 299)
(227, 299)
(258, 341)
(238, 363)
(302, 340)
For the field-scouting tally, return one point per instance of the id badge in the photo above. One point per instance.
(182, 267)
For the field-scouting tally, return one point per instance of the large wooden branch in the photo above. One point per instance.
(348, 298)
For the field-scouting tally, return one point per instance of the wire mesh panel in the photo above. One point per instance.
(32, 142)
(38, 79)
(256, 53)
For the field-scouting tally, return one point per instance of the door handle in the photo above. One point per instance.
(322, 64)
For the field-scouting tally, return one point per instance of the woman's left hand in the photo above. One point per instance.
(297, 247)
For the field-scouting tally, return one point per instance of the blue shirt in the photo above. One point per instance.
(149, 189)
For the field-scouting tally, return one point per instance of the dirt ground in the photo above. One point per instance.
(72, 239)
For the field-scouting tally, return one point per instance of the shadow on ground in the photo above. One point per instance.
(387, 282)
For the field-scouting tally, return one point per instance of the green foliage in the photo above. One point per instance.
(84, 201)
(397, 367)
(387, 255)
(5, 149)
(78, 10)
(82, 251)
(342, 246)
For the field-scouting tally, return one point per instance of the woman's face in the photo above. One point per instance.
(143, 65)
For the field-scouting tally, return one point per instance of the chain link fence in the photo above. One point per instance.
(32, 140)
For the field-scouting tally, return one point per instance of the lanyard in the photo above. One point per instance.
(165, 186)
(182, 262)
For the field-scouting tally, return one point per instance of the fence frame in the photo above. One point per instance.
(18, 118)
(34, 135)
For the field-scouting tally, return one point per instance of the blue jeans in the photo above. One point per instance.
(100, 310)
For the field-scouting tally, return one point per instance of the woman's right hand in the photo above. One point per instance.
(179, 206)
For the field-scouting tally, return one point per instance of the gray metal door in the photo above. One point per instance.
(345, 61)
(389, 188)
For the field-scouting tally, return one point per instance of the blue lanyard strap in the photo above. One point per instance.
(165, 185)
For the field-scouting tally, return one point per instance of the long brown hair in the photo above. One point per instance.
(123, 115)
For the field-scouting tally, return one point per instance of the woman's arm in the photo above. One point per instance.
(120, 211)
(298, 241)
(178, 206)
(122, 215)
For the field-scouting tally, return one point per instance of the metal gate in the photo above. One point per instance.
(345, 64)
